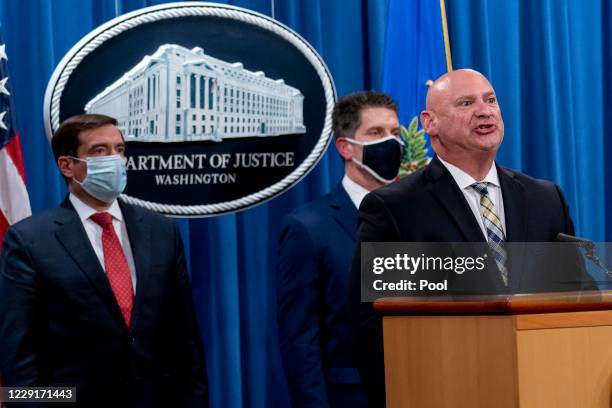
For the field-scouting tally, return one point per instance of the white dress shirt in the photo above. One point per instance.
(94, 232)
(464, 181)
(354, 190)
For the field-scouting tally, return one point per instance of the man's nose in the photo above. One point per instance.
(482, 109)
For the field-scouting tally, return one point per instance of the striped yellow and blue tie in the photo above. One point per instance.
(493, 225)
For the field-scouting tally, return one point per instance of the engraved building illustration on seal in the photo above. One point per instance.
(179, 94)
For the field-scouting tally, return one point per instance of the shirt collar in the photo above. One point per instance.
(464, 180)
(84, 211)
(355, 191)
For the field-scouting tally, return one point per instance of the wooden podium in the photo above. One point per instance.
(537, 350)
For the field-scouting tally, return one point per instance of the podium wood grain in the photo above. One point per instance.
(484, 359)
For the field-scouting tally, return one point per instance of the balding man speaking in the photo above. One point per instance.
(462, 196)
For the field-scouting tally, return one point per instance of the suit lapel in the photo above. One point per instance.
(139, 234)
(445, 190)
(344, 211)
(514, 205)
(74, 239)
(515, 208)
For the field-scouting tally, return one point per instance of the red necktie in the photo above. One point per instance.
(116, 265)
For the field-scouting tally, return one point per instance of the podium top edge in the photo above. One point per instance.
(554, 302)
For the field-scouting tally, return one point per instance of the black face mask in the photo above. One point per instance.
(381, 158)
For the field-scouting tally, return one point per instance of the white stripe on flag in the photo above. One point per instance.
(14, 201)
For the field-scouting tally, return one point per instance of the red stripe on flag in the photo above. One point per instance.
(13, 148)
(3, 227)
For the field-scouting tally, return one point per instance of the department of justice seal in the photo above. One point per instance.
(221, 108)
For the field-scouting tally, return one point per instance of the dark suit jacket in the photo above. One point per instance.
(60, 324)
(428, 206)
(316, 247)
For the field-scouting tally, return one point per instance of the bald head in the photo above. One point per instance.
(463, 120)
(445, 84)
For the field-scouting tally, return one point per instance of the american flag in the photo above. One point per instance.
(14, 201)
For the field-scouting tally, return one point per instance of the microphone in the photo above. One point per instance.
(588, 246)
(582, 242)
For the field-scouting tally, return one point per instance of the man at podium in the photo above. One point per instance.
(462, 196)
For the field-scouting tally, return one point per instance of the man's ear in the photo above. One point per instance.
(65, 165)
(344, 148)
(429, 122)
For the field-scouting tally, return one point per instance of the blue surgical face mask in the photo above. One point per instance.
(106, 177)
(381, 158)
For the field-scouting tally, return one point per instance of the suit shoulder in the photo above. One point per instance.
(35, 228)
(407, 190)
(532, 183)
(39, 222)
(313, 214)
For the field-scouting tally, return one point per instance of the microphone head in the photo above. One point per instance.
(565, 237)
(581, 242)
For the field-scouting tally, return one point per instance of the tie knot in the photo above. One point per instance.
(481, 188)
(103, 219)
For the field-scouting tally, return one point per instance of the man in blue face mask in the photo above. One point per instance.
(94, 294)
(316, 245)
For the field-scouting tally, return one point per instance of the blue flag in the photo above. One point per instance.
(414, 53)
